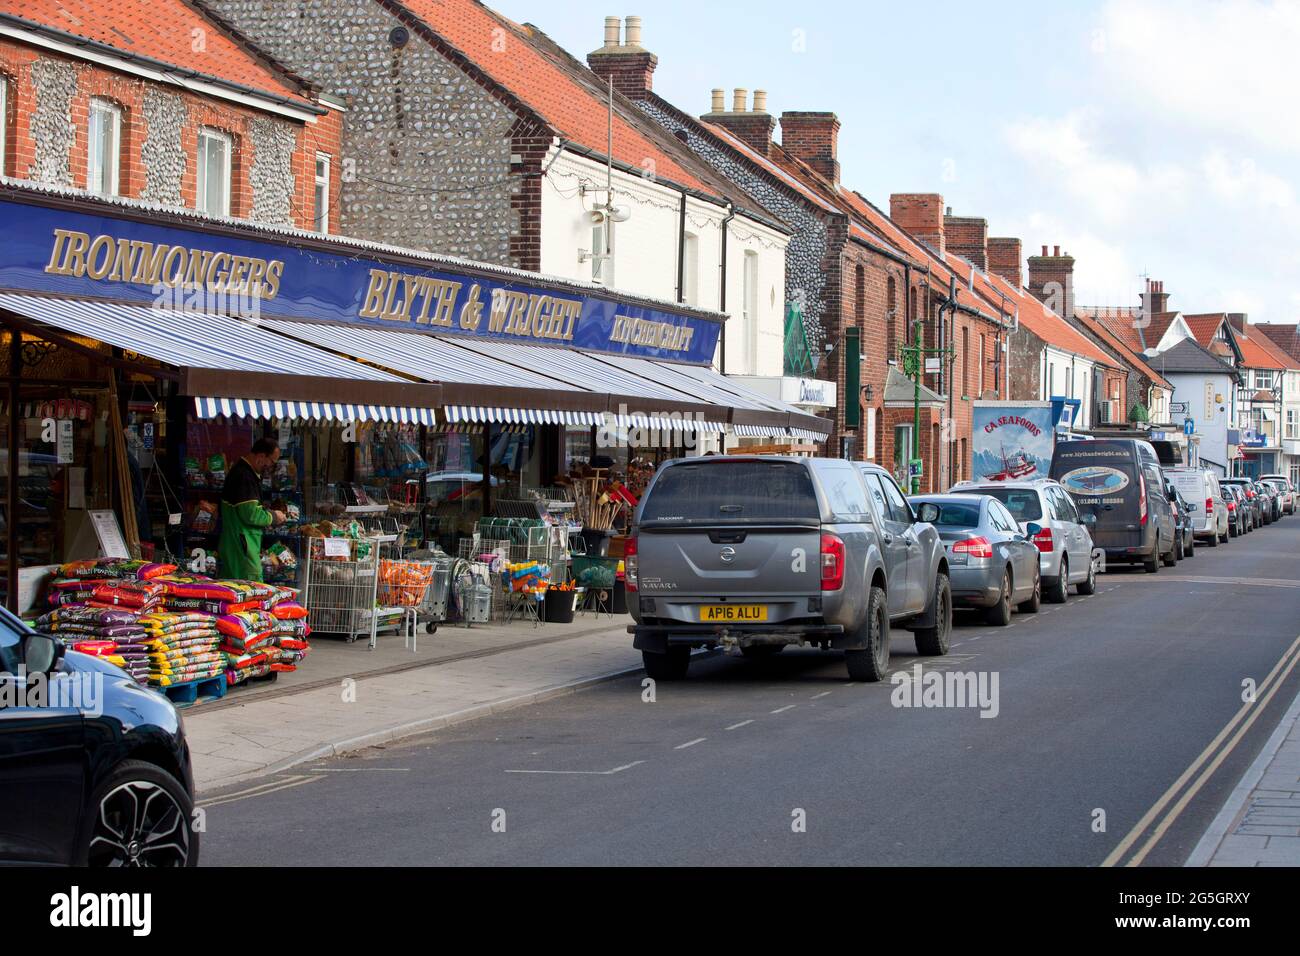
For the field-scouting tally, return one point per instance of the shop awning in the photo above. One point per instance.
(231, 348)
(486, 380)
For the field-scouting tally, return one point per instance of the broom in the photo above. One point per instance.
(130, 530)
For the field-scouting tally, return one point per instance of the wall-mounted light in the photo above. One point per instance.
(869, 391)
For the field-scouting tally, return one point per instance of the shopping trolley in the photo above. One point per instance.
(342, 588)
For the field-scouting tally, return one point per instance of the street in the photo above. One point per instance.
(1100, 705)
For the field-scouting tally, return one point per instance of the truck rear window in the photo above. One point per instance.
(732, 491)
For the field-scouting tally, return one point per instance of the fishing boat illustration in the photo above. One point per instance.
(1016, 465)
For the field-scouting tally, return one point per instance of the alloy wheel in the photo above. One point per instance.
(139, 824)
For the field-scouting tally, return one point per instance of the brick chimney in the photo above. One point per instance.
(812, 137)
(1051, 280)
(968, 237)
(1157, 297)
(921, 214)
(1004, 260)
(631, 66)
(754, 127)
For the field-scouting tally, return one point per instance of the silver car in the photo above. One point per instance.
(1047, 514)
(1285, 493)
(1200, 488)
(991, 562)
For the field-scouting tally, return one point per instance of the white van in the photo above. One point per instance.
(1209, 515)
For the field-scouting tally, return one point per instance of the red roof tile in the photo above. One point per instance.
(1259, 351)
(774, 169)
(1204, 326)
(1286, 337)
(160, 30)
(1049, 326)
(1119, 345)
(571, 107)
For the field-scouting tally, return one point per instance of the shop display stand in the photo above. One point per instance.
(341, 593)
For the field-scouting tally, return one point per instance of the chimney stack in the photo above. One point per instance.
(813, 138)
(1004, 260)
(1051, 280)
(753, 127)
(1157, 297)
(920, 214)
(628, 64)
(967, 236)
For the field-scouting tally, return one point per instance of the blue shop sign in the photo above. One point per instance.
(52, 249)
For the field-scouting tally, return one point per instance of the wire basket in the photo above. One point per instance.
(404, 583)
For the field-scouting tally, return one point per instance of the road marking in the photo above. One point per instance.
(1257, 582)
(261, 790)
(824, 693)
(358, 769)
(584, 773)
(782, 710)
(691, 743)
(739, 725)
(1264, 694)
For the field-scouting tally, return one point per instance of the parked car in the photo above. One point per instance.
(992, 563)
(104, 783)
(1273, 497)
(1254, 506)
(1290, 498)
(1183, 521)
(1264, 495)
(1200, 488)
(1061, 536)
(1238, 509)
(1118, 481)
(761, 552)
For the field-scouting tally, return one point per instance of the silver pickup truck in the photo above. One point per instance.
(760, 552)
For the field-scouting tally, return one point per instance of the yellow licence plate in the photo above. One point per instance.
(732, 613)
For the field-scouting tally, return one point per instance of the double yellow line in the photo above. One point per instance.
(1206, 764)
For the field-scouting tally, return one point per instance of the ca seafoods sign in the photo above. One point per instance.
(74, 253)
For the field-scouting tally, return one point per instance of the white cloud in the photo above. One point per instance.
(1242, 181)
(1229, 66)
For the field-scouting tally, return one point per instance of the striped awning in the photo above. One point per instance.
(478, 414)
(679, 423)
(808, 435)
(760, 431)
(310, 411)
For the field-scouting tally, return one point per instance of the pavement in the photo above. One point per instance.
(1260, 823)
(1120, 738)
(346, 697)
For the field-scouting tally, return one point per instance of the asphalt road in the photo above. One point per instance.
(1102, 704)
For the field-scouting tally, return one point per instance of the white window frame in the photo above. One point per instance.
(1263, 379)
(201, 183)
(1292, 424)
(749, 310)
(101, 180)
(691, 268)
(321, 193)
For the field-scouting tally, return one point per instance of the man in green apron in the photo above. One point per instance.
(239, 553)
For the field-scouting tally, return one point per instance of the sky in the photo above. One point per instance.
(1154, 138)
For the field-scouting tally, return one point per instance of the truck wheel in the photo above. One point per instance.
(1170, 558)
(670, 666)
(1059, 590)
(1214, 538)
(871, 664)
(934, 641)
(1152, 565)
(999, 614)
(1089, 586)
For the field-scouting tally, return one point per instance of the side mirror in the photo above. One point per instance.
(927, 512)
(41, 653)
(1089, 519)
(1032, 529)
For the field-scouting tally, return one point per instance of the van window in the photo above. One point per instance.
(725, 490)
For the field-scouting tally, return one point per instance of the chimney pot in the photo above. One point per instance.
(613, 25)
(719, 100)
(760, 101)
(738, 96)
(1056, 251)
(632, 31)
(1044, 252)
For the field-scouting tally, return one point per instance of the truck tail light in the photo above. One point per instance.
(1043, 540)
(979, 547)
(832, 562)
(629, 563)
(1142, 500)
(1209, 506)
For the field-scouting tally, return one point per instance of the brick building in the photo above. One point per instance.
(168, 107)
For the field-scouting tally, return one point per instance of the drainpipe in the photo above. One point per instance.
(722, 292)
